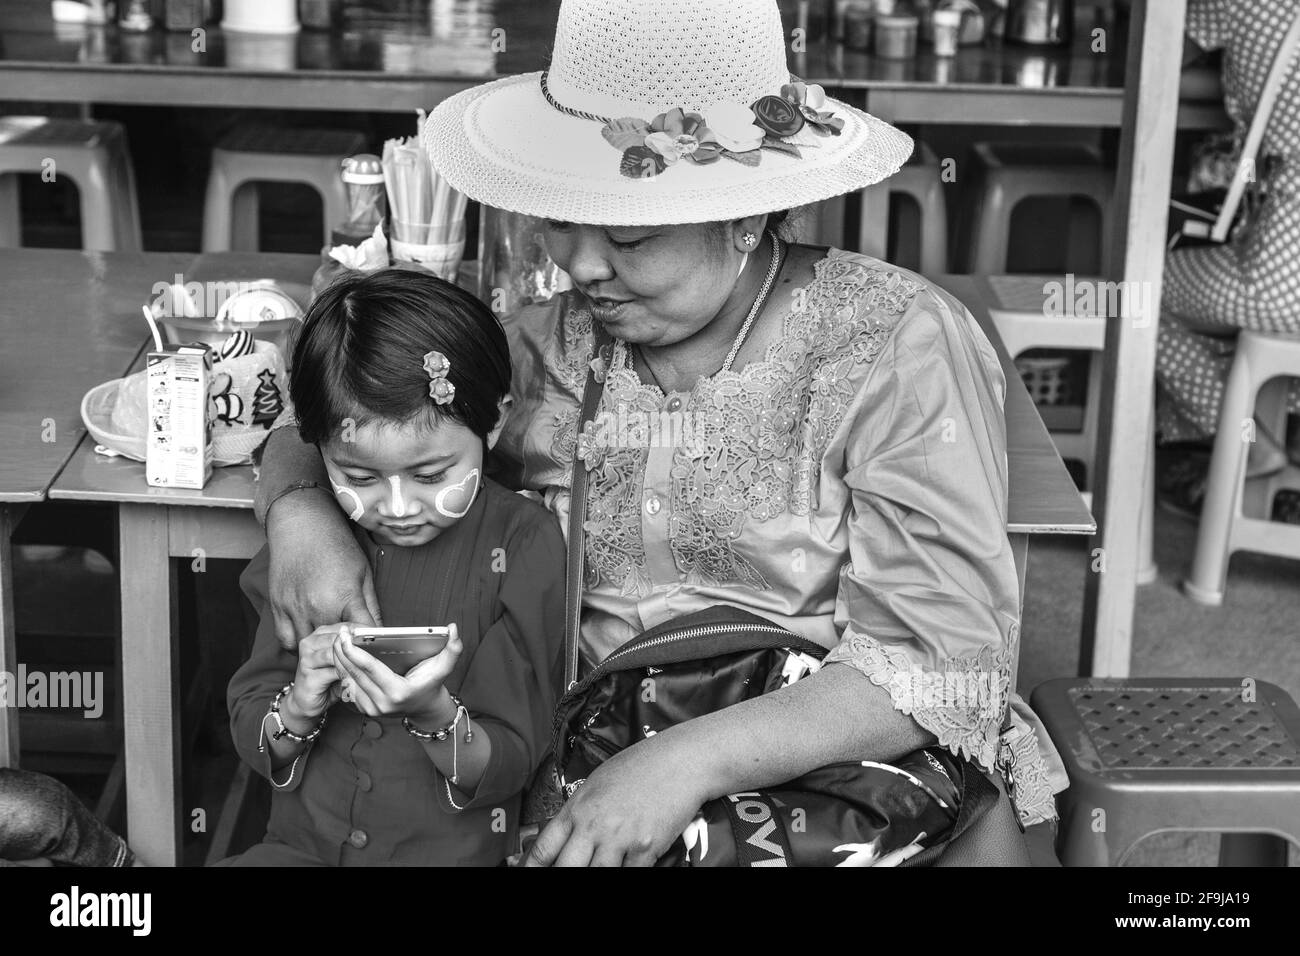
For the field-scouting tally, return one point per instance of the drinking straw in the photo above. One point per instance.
(153, 328)
(422, 203)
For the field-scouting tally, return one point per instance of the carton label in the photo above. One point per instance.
(178, 453)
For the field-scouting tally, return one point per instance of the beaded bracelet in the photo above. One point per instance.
(445, 732)
(281, 730)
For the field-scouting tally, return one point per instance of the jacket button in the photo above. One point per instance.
(359, 839)
(674, 404)
(363, 781)
(653, 504)
(372, 729)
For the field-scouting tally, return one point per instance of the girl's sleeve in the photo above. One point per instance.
(510, 685)
(928, 604)
(1209, 22)
(268, 669)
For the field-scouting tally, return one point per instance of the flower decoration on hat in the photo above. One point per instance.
(438, 367)
(810, 100)
(732, 131)
(650, 148)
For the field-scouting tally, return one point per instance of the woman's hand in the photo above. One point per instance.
(628, 812)
(319, 574)
(378, 692)
(316, 682)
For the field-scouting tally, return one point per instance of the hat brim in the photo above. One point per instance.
(503, 145)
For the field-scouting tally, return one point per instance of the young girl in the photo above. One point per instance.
(403, 382)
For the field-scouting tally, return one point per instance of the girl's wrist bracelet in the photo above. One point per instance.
(445, 732)
(281, 730)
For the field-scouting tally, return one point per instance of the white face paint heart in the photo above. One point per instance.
(343, 494)
(458, 496)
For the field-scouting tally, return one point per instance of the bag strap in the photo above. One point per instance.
(1246, 165)
(591, 392)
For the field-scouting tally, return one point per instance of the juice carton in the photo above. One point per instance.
(179, 449)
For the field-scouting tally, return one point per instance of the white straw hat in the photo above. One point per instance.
(538, 143)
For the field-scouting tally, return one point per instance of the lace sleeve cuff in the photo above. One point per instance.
(963, 705)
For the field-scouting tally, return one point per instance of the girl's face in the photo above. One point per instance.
(651, 285)
(405, 483)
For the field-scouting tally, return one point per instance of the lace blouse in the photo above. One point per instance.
(851, 486)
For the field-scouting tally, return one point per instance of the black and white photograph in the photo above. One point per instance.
(649, 433)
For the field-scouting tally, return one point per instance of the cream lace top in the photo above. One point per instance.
(852, 487)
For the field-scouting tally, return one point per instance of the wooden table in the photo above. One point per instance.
(1043, 497)
(60, 322)
(91, 302)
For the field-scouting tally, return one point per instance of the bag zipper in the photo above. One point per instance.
(688, 633)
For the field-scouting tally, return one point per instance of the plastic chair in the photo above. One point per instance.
(921, 179)
(1022, 325)
(94, 155)
(1153, 755)
(253, 154)
(1234, 516)
(1013, 172)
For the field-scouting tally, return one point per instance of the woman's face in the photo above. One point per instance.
(651, 285)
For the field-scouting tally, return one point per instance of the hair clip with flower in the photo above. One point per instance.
(441, 390)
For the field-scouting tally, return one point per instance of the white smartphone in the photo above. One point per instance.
(401, 648)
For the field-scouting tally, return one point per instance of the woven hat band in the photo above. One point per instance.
(614, 59)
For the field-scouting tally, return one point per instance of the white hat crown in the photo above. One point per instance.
(550, 144)
(617, 58)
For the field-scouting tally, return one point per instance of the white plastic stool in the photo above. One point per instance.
(253, 154)
(1022, 324)
(1256, 389)
(1014, 172)
(921, 179)
(91, 153)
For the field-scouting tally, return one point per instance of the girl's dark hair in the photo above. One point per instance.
(360, 355)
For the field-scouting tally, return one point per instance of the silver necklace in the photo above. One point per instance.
(763, 292)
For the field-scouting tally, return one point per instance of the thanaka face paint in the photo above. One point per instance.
(346, 495)
(455, 500)
(398, 505)
(406, 484)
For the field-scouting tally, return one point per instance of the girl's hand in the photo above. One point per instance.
(378, 692)
(318, 572)
(315, 685)
(628, 812)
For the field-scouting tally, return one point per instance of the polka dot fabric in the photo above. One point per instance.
(1253, 281)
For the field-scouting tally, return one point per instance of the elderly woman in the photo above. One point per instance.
(838, 462)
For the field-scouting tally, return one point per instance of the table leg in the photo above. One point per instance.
(10, 515)
(149, 673)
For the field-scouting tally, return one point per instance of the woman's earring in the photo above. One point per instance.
(749, 238)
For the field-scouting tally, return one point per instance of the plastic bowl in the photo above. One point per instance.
(268, 309)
